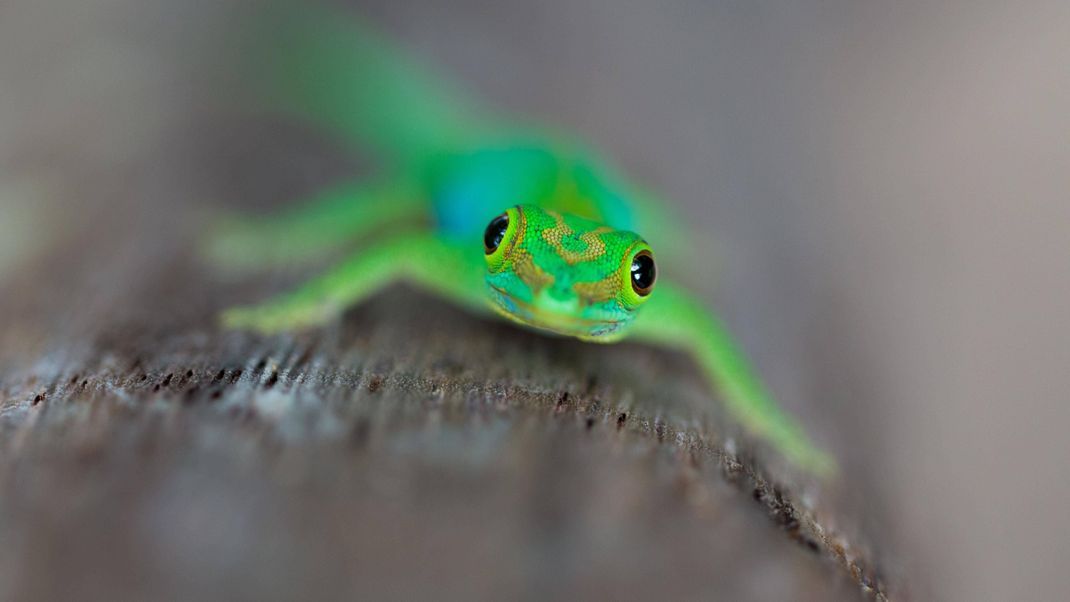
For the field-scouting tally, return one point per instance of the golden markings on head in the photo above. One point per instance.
(595, 246)
(599, 291)
(535, 277)
(523, 264)
(525, 267)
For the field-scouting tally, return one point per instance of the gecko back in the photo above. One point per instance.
(327, 67)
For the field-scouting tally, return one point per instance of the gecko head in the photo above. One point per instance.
(566, 274)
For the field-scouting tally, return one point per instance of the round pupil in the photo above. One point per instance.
(495, 232)
(643, 272)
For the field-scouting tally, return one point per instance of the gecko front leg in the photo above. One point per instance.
(314, 228)
(438, 265)
(674, 318)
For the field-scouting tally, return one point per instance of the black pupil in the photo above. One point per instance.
(495, 232)
(643, 272)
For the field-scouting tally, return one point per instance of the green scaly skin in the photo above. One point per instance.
(562, 257)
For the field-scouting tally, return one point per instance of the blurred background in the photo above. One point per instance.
(887, 182)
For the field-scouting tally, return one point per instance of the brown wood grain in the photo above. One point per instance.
(405, 451)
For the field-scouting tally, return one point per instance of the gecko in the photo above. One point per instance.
(494, 216)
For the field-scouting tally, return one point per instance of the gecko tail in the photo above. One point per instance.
(325, 65)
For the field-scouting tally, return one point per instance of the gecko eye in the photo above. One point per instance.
(643, 273)
(500, 237)
(495, 232)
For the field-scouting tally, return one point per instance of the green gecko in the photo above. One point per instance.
(480, 212)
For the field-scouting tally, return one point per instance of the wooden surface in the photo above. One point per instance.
(406, 451)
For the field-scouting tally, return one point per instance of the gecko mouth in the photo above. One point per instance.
(561, 323)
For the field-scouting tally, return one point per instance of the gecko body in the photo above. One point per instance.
(485, 214)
